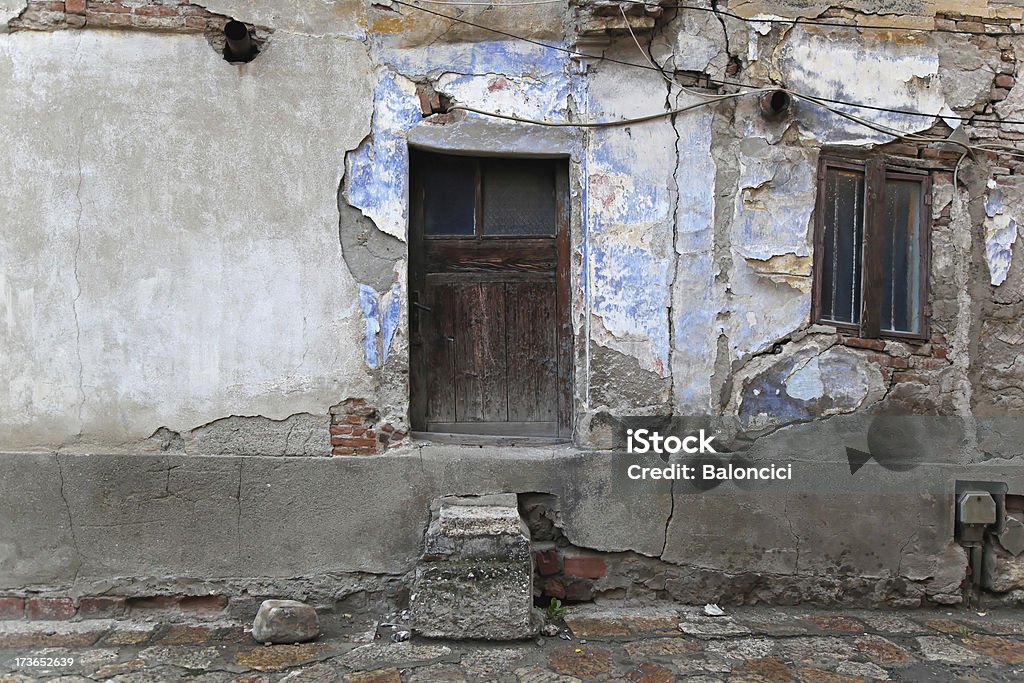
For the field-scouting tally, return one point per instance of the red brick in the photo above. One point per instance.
(858, 343)
(1005, 81)
(929, 363)
(109, 20)
(888, 361)
(196, 22)
(584, 567)
(74, 6)
(107, 8)
(101, 607)
(547, 562)
(204, 604)
(49, 609)
(353, 442)
(12, 608)
(341, 429)
(156, 11)
(153, 603)
(554, 588)
(353, 419)
(388, 428)
(343, 451)
(579, 590)
(940, 352)
(938, 338)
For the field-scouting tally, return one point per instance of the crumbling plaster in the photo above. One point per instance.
(224, 260)
(689, 306)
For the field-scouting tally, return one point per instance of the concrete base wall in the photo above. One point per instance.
(170, 524)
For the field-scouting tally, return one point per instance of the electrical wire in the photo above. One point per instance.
(601, 124)
(973, 120)
(834, 24)
(750, 20)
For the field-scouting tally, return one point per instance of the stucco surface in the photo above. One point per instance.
(171, 255)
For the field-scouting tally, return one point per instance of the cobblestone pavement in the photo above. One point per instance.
(650, 645)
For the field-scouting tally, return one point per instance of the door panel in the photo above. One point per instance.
(481, 380)
(532, 352)
(491, 341)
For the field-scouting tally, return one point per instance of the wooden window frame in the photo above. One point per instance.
(876, 173)
(479, 229)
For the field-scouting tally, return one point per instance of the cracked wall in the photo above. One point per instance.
(210, 258)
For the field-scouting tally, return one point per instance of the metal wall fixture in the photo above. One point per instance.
(239, 45)
(775, 104)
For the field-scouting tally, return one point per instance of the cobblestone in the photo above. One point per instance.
(748, 645)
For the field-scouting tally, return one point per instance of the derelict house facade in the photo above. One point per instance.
(355, 226)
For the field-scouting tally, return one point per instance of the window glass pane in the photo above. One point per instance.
(449, 195)
(843, 227)
(518, 197)
(901, 257)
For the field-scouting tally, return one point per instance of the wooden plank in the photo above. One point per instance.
(456, 256)
(563, 304)
(532, 352)
(496, 276)
(481, 382)
(439, 352)
(874, 236)
(496, 428)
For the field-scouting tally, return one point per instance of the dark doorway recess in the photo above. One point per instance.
(489, 281)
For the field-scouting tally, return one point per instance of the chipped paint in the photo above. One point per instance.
(896, 75)
(1001, 233)
(381, 317)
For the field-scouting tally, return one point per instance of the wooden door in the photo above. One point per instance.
(489, 295)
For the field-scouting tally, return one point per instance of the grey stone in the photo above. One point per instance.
(1012, 537)
(476, 580)
(285, 621)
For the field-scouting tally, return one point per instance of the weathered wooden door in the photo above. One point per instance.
(489, 317)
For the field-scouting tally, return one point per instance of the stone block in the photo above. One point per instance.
(285, 621)
(1003, 572)
(476, 577)
(489, 600)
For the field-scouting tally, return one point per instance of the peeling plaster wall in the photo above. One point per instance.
(171, 254)
(205, 257)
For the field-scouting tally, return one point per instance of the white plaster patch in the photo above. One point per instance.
(1001, 231)
(805, 382)
(900, 75)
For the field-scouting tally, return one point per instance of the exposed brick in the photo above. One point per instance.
(388, 428)
(971, 26)
(12, 608)
(547, 562)
(341, 429)
(74, 6)
(157, 11)
(858, 343)
(929, 363)
(101, 607)
(49, 609)
(554, 588)
(579, 590)
(584, 567)
(204, 604)
(353, 419)
(938, 338)
(888, 361)
(353, 442)
(106, 8)
(940, 352)
(162, 602)
(343, 451)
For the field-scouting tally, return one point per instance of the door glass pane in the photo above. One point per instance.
(519, 197)
(901, 257)
(843, 242)
(449, 195)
